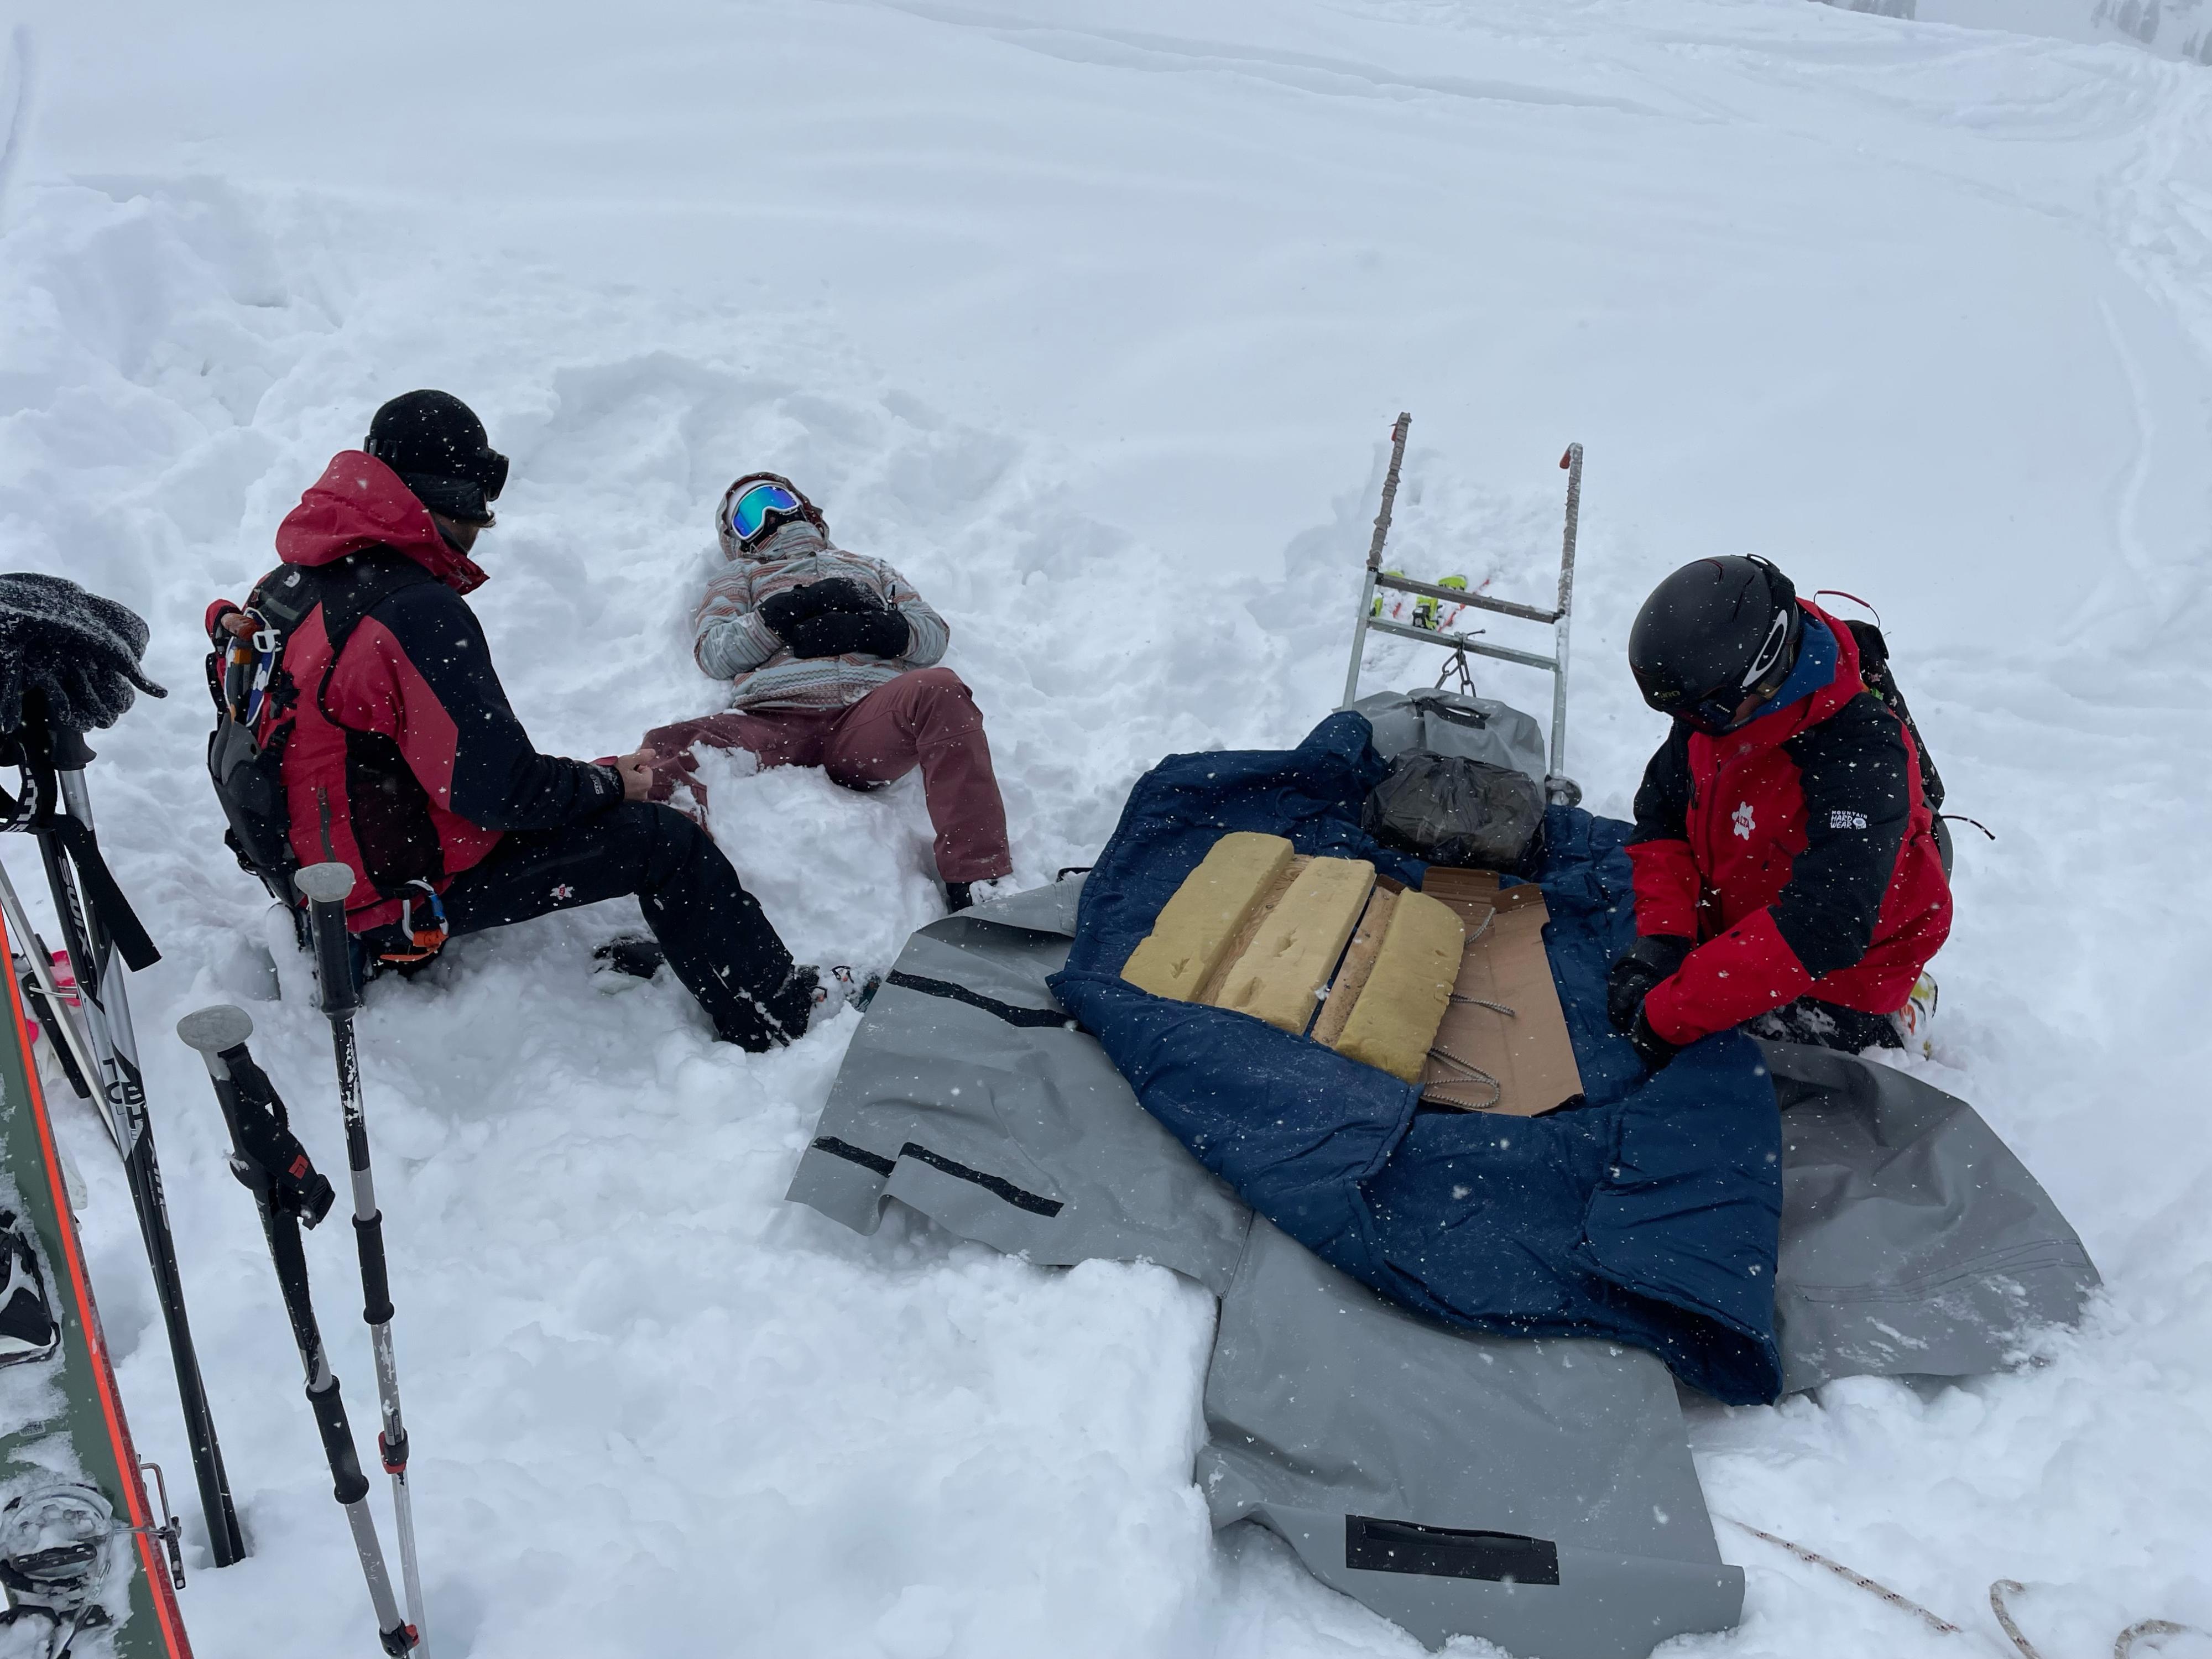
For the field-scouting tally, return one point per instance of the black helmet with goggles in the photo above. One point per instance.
(1717, 632)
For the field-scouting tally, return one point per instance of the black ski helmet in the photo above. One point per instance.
(1712, 633)
(439, 448)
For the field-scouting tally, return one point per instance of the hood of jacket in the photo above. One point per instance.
(1777, 726)
(359, 502)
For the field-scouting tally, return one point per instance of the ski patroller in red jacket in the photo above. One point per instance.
(410, 764)
(1798, 851)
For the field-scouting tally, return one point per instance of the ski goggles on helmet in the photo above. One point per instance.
(1715, 712)
(759, 504)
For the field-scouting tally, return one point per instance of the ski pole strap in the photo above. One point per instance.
(266, 1139)
(102, 893)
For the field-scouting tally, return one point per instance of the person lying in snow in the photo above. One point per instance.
(404, 760)
(1787, 872)
(831, 658)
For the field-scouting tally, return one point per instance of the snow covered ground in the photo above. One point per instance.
(1092, 318)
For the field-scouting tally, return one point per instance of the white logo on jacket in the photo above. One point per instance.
(1741, 818)
(1840, 819)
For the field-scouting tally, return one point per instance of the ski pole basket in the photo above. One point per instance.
(1556, 617)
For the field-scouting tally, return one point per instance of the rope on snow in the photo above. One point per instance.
(1816, 1558)
(2124, 1644)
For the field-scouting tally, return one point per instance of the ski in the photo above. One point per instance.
(103, 937)
(87, 1553)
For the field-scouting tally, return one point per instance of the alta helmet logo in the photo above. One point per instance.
(1742, 821)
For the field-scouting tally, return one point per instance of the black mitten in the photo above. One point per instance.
(782, 612)
(1654, 1050)
(1652, 958)
(838, 633)
(76, 652)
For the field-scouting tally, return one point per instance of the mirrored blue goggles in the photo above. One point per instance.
(750, 512)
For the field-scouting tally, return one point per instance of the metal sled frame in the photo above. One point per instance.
(1558, 616)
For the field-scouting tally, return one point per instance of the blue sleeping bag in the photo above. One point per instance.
(1647, 1214)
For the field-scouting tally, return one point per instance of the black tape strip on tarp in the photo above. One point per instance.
(1020, 1197)
(1379, 1545)
(852, 1154)
(1010, 1012)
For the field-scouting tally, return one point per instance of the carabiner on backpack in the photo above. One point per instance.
(427, 932)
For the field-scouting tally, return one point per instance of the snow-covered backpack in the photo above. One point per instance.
(256, 700)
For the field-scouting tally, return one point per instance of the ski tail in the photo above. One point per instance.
(96, 1425)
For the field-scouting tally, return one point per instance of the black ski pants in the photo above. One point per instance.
(716, 939)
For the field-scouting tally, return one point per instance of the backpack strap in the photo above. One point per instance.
(346, 592)
(1874, 669)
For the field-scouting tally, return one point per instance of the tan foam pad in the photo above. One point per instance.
(1192, 932)
(1394, 1023)
(1358, 962)
(1280, 974)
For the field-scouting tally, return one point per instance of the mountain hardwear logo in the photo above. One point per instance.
(1741, 818)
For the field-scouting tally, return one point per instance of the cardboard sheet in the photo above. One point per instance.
(1520, 1064)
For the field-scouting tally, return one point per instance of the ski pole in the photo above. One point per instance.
(326, 887)
(290, 1193)
(71, 853)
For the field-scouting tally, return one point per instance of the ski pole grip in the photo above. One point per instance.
(348, 1483)
(325, 886)
(375, 1282)
(213, 1031)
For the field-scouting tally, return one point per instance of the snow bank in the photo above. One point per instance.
(1092, 319)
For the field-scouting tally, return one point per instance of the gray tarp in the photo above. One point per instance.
(1539, 1493)
(1912, 1242)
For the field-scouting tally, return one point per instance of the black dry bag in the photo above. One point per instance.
(1447, 809)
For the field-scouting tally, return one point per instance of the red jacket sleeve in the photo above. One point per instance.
(1665, 888)
(417, 670)
(1666, 873)
(1750, 969)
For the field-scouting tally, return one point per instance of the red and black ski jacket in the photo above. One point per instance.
(404, 759)
(1797, 851)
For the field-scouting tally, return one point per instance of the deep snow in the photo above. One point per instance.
(1092, 318)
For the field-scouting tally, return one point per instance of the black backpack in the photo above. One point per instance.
(257, 700)
(1874, 669)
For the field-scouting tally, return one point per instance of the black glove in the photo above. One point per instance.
(72, 655)
(834, 595)
(1655, 1050)
(834, 633)
(1654, 958)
